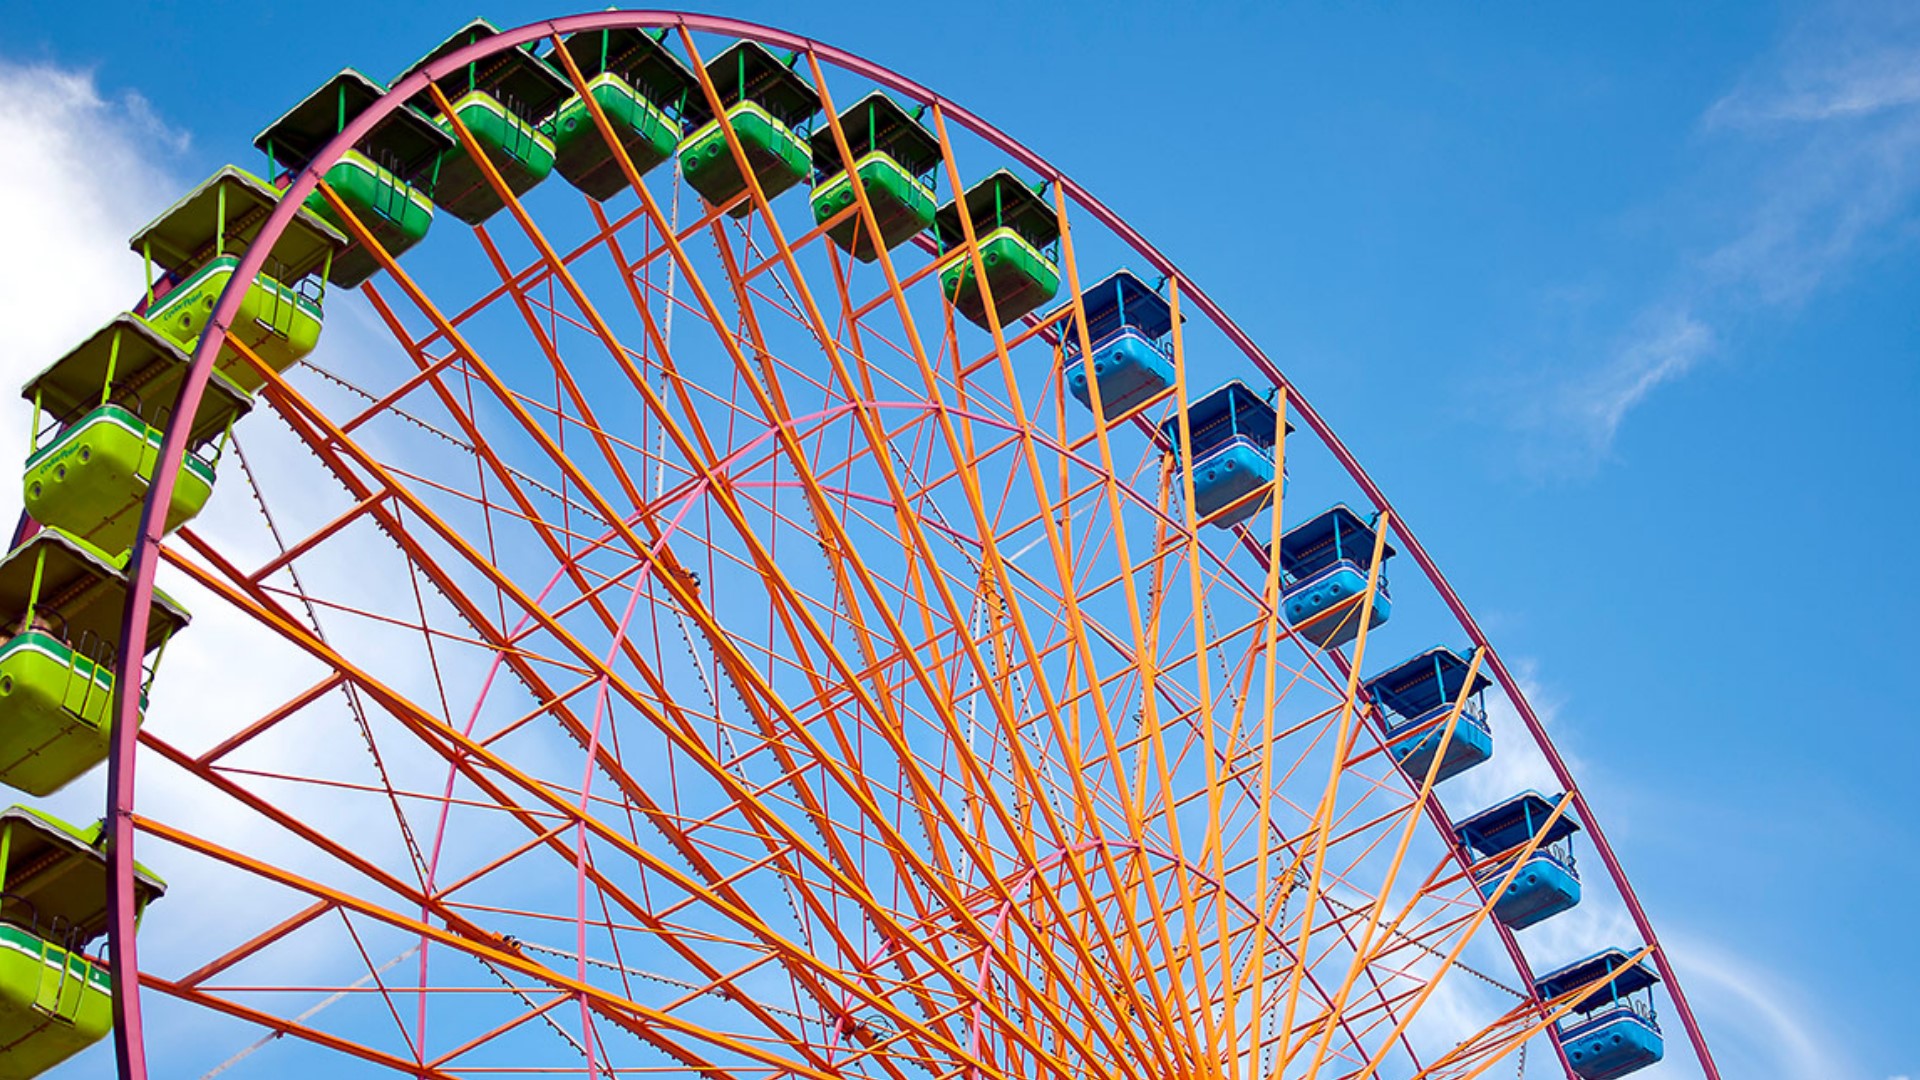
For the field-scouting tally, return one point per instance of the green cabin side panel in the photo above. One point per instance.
(55, 714)
(279, 325)
(902, 205)
(1019, 276)
(522, 155)
(53, 1004)
(91, 480)
(582, 155)
(778, 157)
(394, 211)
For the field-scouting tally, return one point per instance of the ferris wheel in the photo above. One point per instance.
(805, 591)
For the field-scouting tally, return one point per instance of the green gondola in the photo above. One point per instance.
(106, 404)
(765, 102)
(199, 242)
(503, 102)
(1015, 230)
(384, 179)
(893, 156)
(61, 599)
(641, 88)
(55, 1000)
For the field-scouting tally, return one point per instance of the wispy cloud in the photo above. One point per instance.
(1663, 346)
(1761, 1025)
(1848, 60)
(1833, 118)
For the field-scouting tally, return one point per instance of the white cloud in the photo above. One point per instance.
(83, 172)
(1517, 764)
(85, 169)
(81, 176)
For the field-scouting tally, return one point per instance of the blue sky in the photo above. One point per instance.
(1617, 303)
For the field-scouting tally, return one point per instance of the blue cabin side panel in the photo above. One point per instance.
(1542, 889)
(1131, 370)
(1612, 1044)
(1471, 745)
(1343, 582)
(1228, 475)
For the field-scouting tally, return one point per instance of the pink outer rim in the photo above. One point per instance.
(129, 1039)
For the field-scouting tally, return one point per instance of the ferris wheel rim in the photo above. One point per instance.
(144, 557)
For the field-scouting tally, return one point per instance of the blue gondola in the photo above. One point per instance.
(1546, 884)
(1612, 1030)
(1325, 562)
(1233, 431)
(1421, 690)
(1127, 324)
